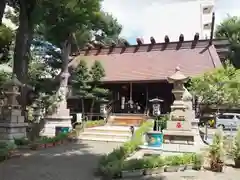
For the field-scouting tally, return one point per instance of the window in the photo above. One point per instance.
(238, 117)
(224, 116)
(207, 9)
(207, 26)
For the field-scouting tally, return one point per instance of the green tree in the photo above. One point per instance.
(61, 20)
(6, 38)
(65, 20)
(218, 87)
(80, 82)
(230, 29)
(96, 92)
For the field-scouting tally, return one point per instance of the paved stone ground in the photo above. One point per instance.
(78, 161)
(70, 162)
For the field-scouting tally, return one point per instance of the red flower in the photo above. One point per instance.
(178, 125)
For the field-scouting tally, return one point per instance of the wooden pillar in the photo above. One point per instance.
(130, 95)
(146, 108)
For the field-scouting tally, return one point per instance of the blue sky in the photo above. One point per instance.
(140, 18)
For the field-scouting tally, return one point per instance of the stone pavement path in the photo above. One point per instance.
(68, 162)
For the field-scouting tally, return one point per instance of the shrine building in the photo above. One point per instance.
(139, 72)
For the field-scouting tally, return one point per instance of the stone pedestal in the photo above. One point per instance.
(60, 118)
(12, 125)
(180, 136)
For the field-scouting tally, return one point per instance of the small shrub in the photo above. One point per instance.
(217, 152)
(134, 164)
(21, 141)
(197, 161)
(118, 155)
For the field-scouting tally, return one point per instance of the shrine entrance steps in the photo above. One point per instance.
(116, 130)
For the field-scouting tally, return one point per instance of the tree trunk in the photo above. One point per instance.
(2, 8)
(22, 48)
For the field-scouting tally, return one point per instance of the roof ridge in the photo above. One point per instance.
(148, 47)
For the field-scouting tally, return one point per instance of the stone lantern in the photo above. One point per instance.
(12, 123)
(178, 108)
(179, 134)
(154, 138)
(156, 106)
(103, 108)
(37, 111)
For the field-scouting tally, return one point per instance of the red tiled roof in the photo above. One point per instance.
(149, 62)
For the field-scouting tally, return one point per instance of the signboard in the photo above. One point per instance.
(79, 117)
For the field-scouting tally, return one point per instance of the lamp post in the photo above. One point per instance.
(156, 106)
(103, 108)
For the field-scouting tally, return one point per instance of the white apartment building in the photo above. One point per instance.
(175, 17)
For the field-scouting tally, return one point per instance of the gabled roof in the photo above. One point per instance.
(155, 61)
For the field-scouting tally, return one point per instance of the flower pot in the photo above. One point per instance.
(33, 146)
(171, 168)
(189, 167)
(41, 146)
(196, 167)
(48, 145)
(237, 163)
(58, 143)
(133, 173)
(157, 170)
(216, 166)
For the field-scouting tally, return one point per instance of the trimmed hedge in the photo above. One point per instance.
(89, 124)
(112, 164)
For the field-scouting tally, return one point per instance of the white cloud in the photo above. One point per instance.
(150, 18)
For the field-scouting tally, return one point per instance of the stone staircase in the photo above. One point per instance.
(116, 130)
(106, 133)
(126, 120)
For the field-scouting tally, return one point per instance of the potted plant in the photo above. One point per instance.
(236, 149)
(187, 160)
(153, 165)
(216, 152)
(33, 146)
(49, 142)
(133, 168)
(197, 161)
(173, 163)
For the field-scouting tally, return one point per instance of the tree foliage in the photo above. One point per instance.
(86, 82)
(230, 29)
(97, 73)
(6, 38)
(219, 87)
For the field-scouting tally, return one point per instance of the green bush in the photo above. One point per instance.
(95, 123)
(3, 154)
(21, 141)
(117, 156)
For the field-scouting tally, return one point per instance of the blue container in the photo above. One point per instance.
(62, 130)
(154, 139)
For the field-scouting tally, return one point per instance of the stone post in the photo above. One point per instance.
(60, 118)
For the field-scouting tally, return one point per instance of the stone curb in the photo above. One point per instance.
(157, 171)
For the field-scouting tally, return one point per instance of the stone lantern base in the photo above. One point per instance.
(12, 125)
(52, 123)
